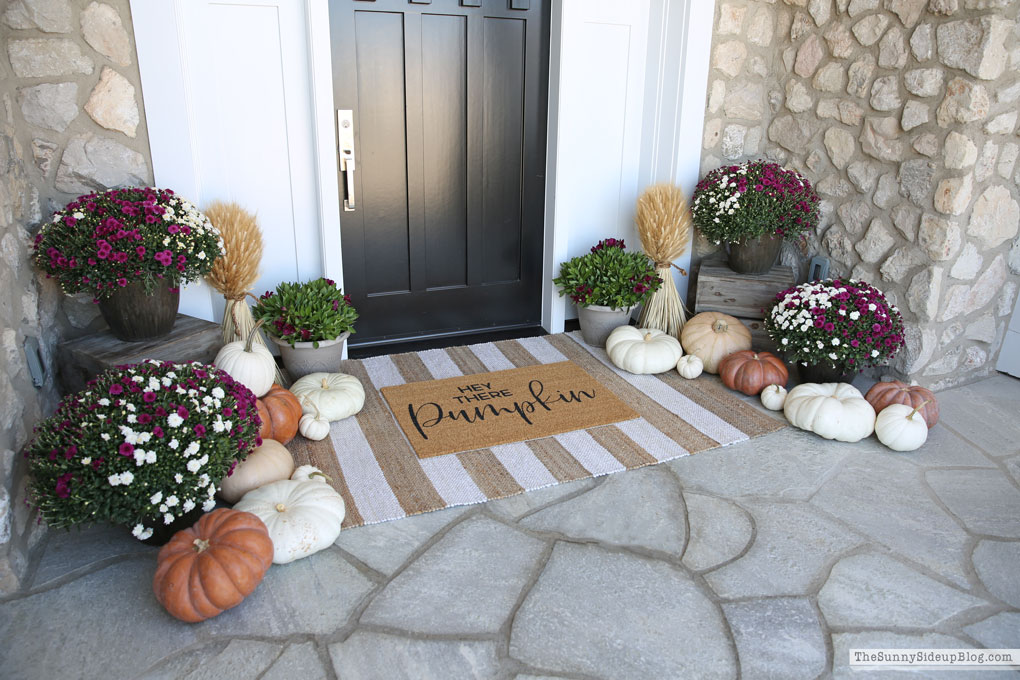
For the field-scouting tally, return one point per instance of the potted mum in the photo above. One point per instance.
(752, 207)
(606, 284)
(309, 322)
(834, 328)
(143, 445)
(131, 249)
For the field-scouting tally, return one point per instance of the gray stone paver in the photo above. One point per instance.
(997, 567)
(1001, 631)
(720, 530)
(614, 615)
(886, 499)
(963, 492)
(877, 591)
(792, 545)
(297, 661)
(466, 583)
(778, 637)
(596, 514)
(385, 547)
(753, 468)
(369, 656)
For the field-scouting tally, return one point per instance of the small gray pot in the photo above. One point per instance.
(597, 322)
(304, 358)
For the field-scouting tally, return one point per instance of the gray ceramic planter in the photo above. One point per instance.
(304, 358)
(597, 322)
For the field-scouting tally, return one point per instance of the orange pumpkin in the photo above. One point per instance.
(212, 566)
(895, 392)
(751, 372)
(280, 412)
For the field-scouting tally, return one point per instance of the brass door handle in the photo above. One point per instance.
(345, 146)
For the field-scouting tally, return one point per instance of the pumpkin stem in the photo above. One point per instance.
(325, 384)
(321, 474)
(252, 334)
(648, 336)
(201, 545)
(919, 407)
(280, 507)
(720, 326)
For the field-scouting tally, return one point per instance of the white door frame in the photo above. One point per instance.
(163, 63)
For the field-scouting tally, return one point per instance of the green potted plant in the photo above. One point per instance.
(310, 322)
(143, 446)
(606, 284)
(131, 249)
(752, 207)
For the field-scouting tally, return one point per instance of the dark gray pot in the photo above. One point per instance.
(755, 255)
(134, 316)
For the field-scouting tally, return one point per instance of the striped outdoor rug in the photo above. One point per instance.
(380, 478)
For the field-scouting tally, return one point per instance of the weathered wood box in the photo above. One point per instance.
(745, 296)
(81, 359)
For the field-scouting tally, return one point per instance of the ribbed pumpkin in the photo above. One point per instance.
(212, 566)
(711, 336)
(751, 372)
(895, 392)
(280, 412)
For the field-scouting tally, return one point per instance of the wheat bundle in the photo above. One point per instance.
(236, 270)
(664, 225)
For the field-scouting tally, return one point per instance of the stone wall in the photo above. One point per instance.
(903, 113)
(72, 123)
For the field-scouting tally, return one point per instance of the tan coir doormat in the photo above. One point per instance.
(371, 464)
(486, 409)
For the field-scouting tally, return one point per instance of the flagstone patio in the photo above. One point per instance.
(769, 558)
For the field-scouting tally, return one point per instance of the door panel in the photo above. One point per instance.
(449, 109)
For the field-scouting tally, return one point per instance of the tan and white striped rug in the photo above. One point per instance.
(374, 467)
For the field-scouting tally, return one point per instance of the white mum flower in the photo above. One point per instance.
(104, 402)
(835, 341)
(138, 531)
(171, 501)
(114, 480)
(105, 437)
(194, 465)
(178, 478)
(173, 444)
(168, 518)
(86, 461)
(218, 392)
(150, 457)
(188, 506)
(127, 477)
(156, 497)
(209, 505)
(192, 449)
(874, 353)
(174, 420)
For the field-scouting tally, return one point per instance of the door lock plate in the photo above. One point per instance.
(345, 147)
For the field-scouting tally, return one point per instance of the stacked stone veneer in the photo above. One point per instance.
(72, 122)
(903, 113)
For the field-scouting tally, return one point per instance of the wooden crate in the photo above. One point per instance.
(84, 358)
(745, 296)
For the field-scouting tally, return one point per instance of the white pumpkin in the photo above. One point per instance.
(267, 463)
(309, 473)
(830, 410)
(313, 427)
(251, 365)
(773, 397)
(334, 396)
(643, 350)
(690, 366)
(901, 427)
(302, 517)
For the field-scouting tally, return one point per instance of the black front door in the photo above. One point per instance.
(449, 117)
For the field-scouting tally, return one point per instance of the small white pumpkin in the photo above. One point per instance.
(267, 463)
(690, 366)
(309, 473)
(334, 396)
(901, 427)
(643, 350)
(251, 365)
(313, 427)
(830, 410)
(773, 397)
(302, 517)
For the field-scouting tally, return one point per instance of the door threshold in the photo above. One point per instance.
(374, 349)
